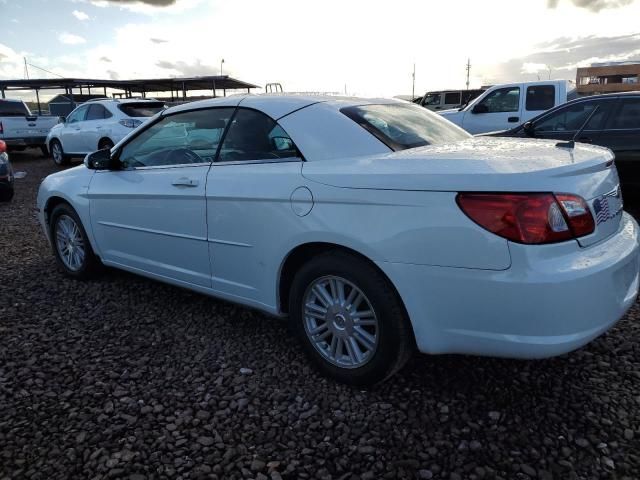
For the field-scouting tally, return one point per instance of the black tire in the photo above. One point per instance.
(105, 143)
(57, 153)
(91, 265)
(395, 336)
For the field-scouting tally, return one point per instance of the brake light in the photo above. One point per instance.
(531, 218)
(130, 123)
(3, 146)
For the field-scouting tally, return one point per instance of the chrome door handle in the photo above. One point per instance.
(185, 182)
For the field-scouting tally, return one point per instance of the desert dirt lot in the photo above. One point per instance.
(125, 377)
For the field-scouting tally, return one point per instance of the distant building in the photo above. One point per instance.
(608, 78)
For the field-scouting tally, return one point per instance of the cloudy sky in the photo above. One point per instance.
(368, 47)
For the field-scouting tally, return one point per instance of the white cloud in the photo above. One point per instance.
(100, 3)
(80, 15)
(71, 39)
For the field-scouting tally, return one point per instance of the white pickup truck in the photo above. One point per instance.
(20, 129)
(505, 106)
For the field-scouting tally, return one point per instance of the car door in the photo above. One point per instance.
(622, 135)
(150, 216)
(564, 122)
(72, 132)
(498, 110)
(93, 126)
(249, 193)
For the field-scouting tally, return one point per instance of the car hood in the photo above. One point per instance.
(479, 164)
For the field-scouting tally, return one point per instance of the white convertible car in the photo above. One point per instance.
(375, 225)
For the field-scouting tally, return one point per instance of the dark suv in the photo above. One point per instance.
(616, 125)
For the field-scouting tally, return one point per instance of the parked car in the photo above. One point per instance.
(375, 225)
(6, 174)
(503, 106)
(20, 129)
(98, 124)
(615, 125)
(448, 99)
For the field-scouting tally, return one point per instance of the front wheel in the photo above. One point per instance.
(350, 319)
(71, 245)
(105, 143)
(57, 153)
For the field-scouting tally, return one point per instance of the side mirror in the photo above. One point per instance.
(282, 144)
(62, 119)
(480, 108)
(529, 128)
(101, 160)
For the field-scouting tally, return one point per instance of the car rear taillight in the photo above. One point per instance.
(3, 146)
(130, 123)
(531, 218)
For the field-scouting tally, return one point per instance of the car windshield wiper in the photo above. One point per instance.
(572, 143)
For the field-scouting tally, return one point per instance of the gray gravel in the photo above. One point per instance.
(128, 378)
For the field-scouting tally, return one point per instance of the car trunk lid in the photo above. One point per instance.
(489, 164)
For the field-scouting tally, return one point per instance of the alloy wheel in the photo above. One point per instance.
(340, 322)
(69, 243)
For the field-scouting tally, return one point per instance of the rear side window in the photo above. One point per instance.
(97, 112)
(402, 126)
(13, 109)
(540, 97)
(452, 98)
(628, 115)
(142, 109)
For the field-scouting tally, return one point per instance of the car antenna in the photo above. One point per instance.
(572, 143)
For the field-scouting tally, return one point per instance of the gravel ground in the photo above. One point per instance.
(128, 378)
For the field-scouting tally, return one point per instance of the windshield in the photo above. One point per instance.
(142, 109)
(401, 126)
(13, 109)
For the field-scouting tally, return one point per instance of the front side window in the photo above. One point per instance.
(254, 136)
(452, 98)
(77, 115)
(570, 118)
(402, 126)
(502, 100)
(540, 97)
(628, 115)
(184, 138)
(432, 99)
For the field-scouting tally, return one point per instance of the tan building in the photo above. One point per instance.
(615, 77)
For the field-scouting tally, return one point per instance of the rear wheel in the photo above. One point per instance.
(57, 153)
(70, 243)
(349, 318)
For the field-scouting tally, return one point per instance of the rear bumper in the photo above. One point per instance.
(25, 142)
(553, 299)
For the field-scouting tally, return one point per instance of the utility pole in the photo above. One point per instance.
(468, 71)
(413, 86)
(26, 69)
(221, 62)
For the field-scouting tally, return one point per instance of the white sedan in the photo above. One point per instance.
(376, 226)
